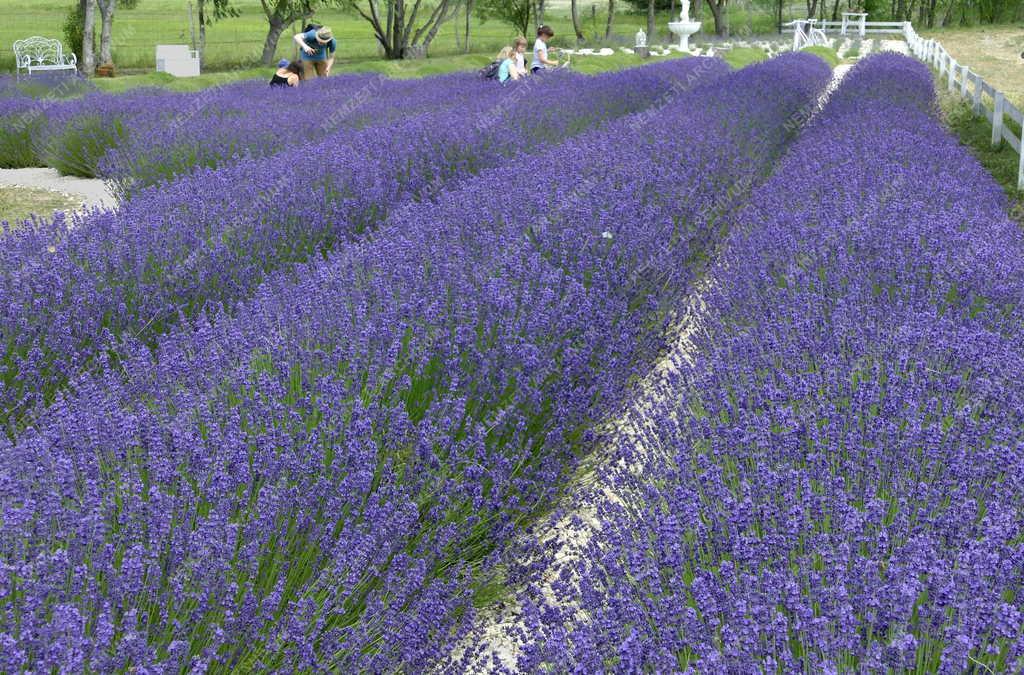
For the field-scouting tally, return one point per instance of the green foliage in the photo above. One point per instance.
(826, 54)
(16, 148)
(73, 30)
(659, 5)
(738, 57)
(516, 13)
(77, 149)
(976, 133)
(215, 10)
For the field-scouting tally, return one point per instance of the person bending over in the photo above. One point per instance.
(317, 48)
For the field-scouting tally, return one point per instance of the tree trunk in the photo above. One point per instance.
(718, 12)
(650, 21)
(273, 35)
(440, 16)
(88, 27)
(106, 8)
(524, 27)
(948, 15)
(469, 12)
(201, 9)
(577, 28)
(611, 20)
(835, 11)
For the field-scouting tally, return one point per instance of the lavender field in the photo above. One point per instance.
(676, 369)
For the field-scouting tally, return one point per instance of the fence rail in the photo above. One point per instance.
(986, 100)
(968, 84)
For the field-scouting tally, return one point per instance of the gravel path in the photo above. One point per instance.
(92, 191)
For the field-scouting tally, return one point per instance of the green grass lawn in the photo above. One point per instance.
(397, 69)
(237, 42)
(19, 203)
(976, 133)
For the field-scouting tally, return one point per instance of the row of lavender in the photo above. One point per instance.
(71, 291)
(148, 136)
(836, 484)
(318, 482)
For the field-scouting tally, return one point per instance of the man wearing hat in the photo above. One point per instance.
(317, 51)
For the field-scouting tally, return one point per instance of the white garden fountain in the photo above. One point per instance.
(685, 27)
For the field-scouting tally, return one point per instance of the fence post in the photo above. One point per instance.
(997, 121)
(977, 94)
(952, 74)
(964, 70)
(1020, 164)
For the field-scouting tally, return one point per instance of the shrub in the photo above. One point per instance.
(76, 149)
(827, 54)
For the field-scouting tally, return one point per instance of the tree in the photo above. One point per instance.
(88, 65)
(106, 8)
(281, 13)
(74, 25)
(717, 8)
(210, 11)
(513, 12)
(398, 35)
(576, 26)
(611, 19)
(650, 20)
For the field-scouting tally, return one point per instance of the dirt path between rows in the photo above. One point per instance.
(498, 635)
(92, 192)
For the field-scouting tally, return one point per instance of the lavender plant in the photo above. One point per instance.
(72, 290)
(832, 481)
(317, 480)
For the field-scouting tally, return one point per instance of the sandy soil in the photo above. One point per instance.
(992, 51)
(88, 192)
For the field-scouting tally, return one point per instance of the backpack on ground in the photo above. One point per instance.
(490, 71)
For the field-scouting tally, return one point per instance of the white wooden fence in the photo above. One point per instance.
(960, 79)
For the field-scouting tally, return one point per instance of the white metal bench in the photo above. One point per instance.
(39, 53)
(807, 34)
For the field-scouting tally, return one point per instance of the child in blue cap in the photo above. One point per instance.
(286, 75)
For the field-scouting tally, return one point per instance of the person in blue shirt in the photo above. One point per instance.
(507, 70)
(317, 47)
